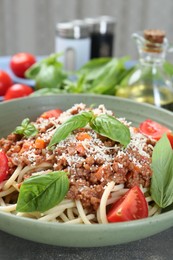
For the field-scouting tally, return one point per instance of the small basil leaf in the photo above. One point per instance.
(42, 192)
(112, 128)
(73, 123)
(27, 129)
(162, 177)
(19, 130)
(30, 130)
(25, 122)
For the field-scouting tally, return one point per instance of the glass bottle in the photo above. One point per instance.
(149, 83)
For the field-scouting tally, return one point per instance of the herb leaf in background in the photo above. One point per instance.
(98, 76)
(106, 76)
(162, 177)
(93, 68)
(47, 91)
(26, 128)
(75, 86)
(47, 73)
(42, 192)
(112, 128)
(168, 68)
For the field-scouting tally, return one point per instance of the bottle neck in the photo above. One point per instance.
(151, 58)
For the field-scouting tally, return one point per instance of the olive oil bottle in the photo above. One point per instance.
(149, 83)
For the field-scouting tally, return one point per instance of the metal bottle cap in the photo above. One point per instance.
(74, 29)
(102, 24)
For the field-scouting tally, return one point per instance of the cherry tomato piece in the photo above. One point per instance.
(20, 62)
(170, 137)
(3, 166)
(153, 129)
(132, 205)
(51, 113)
(18, 91)
(5, 82)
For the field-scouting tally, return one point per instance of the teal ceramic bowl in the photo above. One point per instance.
(12, 113)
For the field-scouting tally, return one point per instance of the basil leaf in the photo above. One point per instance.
(47, 73)
(73, 123)
(30, 130)
(27, 129)
(47, 91)
(18, 130)
(162, 177)
(112, 128)
(25, 122)
(50, 76)
(94, 68)
(42, 192)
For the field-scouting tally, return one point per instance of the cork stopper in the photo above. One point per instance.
(154, 36)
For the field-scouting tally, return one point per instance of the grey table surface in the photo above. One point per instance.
(157, 247)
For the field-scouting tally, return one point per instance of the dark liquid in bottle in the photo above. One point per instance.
(101, 45)
(168, 107)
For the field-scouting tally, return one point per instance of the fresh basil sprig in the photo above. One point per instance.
(162, 177)
(73, 123)
(42, 192)
(47, 73)
(103, 124)
(110, 127)
(26, 128)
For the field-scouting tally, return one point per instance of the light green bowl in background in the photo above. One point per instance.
(71, 235)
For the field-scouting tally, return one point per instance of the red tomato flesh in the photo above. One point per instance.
(3, 166)
(131, 206)
(51, 113)
(170, 137)
(18, 91)
(20, 62)
(153, 129)
(5, 82)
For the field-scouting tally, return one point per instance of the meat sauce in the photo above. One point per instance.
(91, 162)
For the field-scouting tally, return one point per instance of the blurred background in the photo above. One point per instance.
(29, 25)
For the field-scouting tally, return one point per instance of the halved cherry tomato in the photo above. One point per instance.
(51, 113)
(170, 137)
(18, 91)
(153, 129)
(5, 82)
(20, 62)
(131, 206)
(3, 166)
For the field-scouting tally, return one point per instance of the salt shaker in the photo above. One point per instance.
(73, 40)
(102, 31)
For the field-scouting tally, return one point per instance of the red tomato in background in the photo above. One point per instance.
(20, 62)
(51, 113)
(3, 166)
(5, 82)
(153, 129)
(17, 91)
(131, 206)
